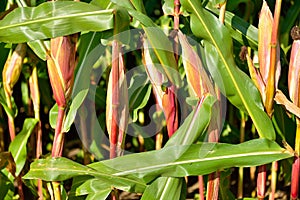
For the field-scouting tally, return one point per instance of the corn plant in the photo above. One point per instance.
(131, 99)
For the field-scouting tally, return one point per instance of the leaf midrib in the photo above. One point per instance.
(139, 170)
(87, 172)
(91, 13)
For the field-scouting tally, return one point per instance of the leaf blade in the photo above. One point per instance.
(18, 147)
(53, 19)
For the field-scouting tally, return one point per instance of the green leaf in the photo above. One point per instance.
(178, 161)
(90, 51)
(121, 20)
(11, 112)
(188, 133)
(40, 48)
(168, 7)
(103, 194)
(194, 125)
(76, 103)
(231, 5)
(103, 4)
(139, 16)
(91, 187)
(18, 147)
(163, 50)
(240, 30)
(60, 169)
(139, 92)
(53, 116)
(6, 187)
(53, 19)
(166, 188)
(238, 87)
(196, 159)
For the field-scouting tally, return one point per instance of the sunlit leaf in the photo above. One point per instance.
(162, 47)
(18, 147)
(179, 161)
(165, 188)
(53, 19)
(139, 92)
(60, 169)
(91, 187)
(76, 103)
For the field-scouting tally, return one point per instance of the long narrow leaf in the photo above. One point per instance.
(179, 161)
(53, 19)
(187, 160)
(60, 169)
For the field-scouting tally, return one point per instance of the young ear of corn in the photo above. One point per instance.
(117, 103)
(61, 67)
(294, 90)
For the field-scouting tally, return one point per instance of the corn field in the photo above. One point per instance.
(132, 99)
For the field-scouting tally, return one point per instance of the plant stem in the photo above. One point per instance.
(296, 167)
(56, 190)
(297, 140)
(201, 188)
(241, 169)
(295, 178)
(261, 181)
(58, 141)
(11, 123)
(213, 186)
(270, 85)
(20, 187)
(273, 180)
(58, 147)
